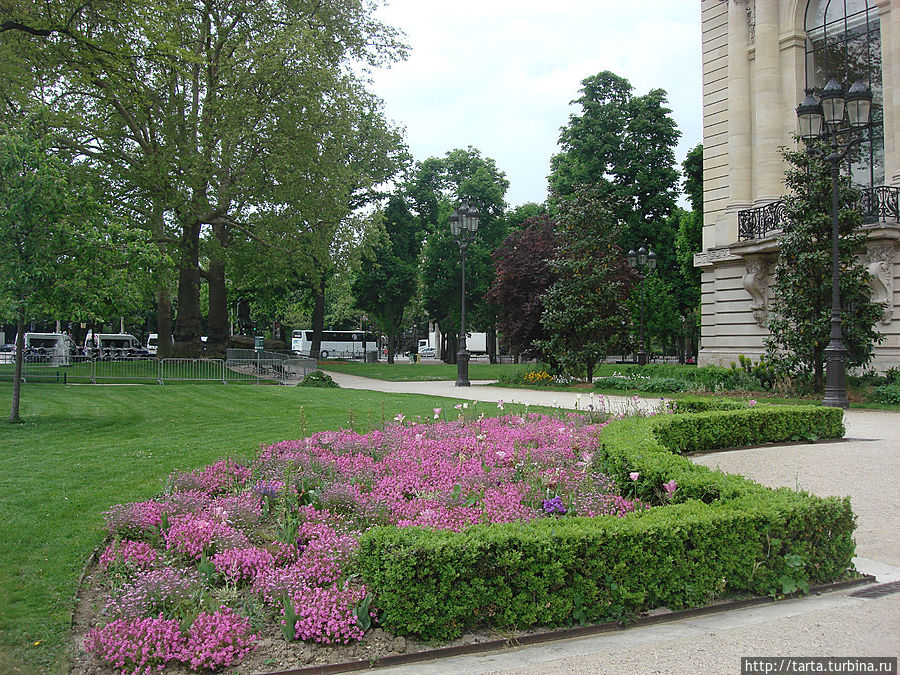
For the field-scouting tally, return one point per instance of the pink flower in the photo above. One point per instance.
(437, 412)
(752, 402)
(634, 475)
(399, 417)
(670, 487)
(500, 404)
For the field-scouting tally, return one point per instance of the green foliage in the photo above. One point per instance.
(435, 189)
(388, 268)
(703, 404)
(582, 309)
(717, 429)
(650, 384)
(318, 379)
(720, 534)
(800, 311)
(887, 393)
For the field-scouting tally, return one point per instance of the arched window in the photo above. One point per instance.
(843, 40)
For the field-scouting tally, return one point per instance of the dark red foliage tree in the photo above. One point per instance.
(523, 275)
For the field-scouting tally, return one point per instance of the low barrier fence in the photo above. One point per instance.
(84, 370)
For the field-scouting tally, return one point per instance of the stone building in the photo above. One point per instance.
(758, 58)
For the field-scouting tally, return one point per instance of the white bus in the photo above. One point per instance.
(336, 344)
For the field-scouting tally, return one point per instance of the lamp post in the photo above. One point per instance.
(838, 118)
(642, 259)
(463, 226)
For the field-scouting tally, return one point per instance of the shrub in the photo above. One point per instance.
(702, 404)
(654, 384)
(720, 533)
(887, 393)
(438, 584)
(717, 429)
(318, 379)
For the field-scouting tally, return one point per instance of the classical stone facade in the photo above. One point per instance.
(758, 57)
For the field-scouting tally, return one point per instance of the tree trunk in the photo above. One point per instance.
(188, 325)
(392, 335)
(218, 294)
(163, 297)
(164, 319)
(492, 344)
(318, 321)
(17, 371)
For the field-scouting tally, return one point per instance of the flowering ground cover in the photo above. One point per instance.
(192, 577)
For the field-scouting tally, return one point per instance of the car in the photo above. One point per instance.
(426, 352)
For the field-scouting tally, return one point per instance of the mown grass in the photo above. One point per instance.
(403, 371)
(82, 449)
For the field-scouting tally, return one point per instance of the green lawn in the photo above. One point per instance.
(84, 448)
(403, 371)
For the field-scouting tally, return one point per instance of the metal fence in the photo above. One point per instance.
(84, 370)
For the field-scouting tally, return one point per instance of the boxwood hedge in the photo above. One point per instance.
(719, 535)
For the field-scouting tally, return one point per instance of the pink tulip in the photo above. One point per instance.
(670, 486)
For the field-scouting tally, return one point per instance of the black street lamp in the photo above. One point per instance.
(463, 226)
(642, 259)
(837, 118)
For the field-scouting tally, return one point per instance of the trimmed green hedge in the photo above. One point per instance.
(751, 426)
(721, 534)
(696, 404)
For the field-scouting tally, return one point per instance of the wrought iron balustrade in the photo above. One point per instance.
(761, 221)
(876, 205)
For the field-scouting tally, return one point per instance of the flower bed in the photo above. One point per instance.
(281, 535)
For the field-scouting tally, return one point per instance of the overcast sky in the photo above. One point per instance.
(499, 74)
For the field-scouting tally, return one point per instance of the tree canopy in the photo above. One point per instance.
(800, 309)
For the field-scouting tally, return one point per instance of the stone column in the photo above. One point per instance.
(740, 147)
(890, 62)
(769, 167)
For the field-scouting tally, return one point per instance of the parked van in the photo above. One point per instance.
(54, 348)
(111, 346)
(152, 345)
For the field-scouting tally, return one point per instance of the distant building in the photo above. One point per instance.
(758, 58)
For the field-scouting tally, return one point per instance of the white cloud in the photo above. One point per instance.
(499, 74)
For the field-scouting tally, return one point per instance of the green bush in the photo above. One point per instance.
(615, 382)
(720, 534)
(318, 379)
(653, 384)
(717, 429)
(887, 393)
(702, 404)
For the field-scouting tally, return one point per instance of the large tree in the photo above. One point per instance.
(622, 145)
(185, 101)
(800, 309)
(388, 269)
(435, 188)
(523, 273)
(585, 315)
(60, 250)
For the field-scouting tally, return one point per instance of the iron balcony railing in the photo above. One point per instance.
(877, 205)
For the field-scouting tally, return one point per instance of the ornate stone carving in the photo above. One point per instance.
(880, 266)
(756, 283)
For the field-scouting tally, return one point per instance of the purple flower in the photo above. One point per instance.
(670, 487)
(634, 475)
(554, 505)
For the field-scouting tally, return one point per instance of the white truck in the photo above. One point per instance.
(476, 343)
